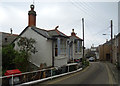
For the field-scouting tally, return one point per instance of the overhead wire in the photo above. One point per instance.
(80, 6)
(86, 9)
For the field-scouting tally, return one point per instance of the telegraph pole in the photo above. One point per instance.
(111, 40)
(83, 35)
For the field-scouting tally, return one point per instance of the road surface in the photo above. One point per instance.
(96, 73)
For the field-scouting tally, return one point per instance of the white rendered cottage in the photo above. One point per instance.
(51, 44)
(75, 47)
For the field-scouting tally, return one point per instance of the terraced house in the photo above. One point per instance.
(75, 46)
(52, 45)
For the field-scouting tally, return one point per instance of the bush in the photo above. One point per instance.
(85, 63)
(21, 61)
(117, 65)
(13, 59)
(8, 54)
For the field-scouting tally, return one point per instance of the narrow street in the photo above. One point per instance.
(59, 42)
(96, 73)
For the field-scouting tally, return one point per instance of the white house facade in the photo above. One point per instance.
(53, 48)
(43, 47)
(75, 47)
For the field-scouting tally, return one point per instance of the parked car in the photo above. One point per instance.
(77, 60)
(92, 59)
(16, 78)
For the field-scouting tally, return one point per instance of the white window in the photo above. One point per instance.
(78, 46)
(63, 46)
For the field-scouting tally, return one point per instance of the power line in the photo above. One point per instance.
(103, 30)
(85, 8)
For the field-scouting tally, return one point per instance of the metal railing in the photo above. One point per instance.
(39, 75)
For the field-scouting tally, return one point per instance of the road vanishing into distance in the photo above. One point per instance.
(98, 73)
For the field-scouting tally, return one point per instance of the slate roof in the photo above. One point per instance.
(118, 35)
(41, 32)
(49, 33)
(107, 43)
(7, 38)
(75, 38)
(56, 32)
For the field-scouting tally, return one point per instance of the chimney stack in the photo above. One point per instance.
(73, 33)
(32, 16)
(11, 30)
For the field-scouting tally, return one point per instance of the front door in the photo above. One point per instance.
(107, 57)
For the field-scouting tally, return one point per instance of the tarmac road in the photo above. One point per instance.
(97, 73)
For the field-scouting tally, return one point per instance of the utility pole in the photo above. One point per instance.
(83, 35)
(111, 40)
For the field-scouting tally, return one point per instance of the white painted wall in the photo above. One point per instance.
(77, 55)
(43, 46)
(60, 61)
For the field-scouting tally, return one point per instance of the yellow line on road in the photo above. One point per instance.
(110, 77)
(68, 76)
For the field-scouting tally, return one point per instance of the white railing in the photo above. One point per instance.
(40, 75)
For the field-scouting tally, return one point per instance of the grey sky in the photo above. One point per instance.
(67, 15)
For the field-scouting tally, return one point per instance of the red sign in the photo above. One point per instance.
(12, 72)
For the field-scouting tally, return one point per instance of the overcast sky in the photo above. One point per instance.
(65, 13)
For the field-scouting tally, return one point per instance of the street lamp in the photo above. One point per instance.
(105, 34)
(106, 38)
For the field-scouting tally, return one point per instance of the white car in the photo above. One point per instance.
(91, 59)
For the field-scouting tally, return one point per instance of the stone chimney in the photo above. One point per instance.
(32, 16)
(73, 33)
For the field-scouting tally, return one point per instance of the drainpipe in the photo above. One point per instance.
(73, 50)
(53, 53)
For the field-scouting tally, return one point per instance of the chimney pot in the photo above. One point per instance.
(32, 7)
(32, 16)
(11, 30)
(73, 33)
(72, 30)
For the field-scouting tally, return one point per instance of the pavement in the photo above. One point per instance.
(115, 72)
(98, 73)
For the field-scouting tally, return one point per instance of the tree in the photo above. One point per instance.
(8, 54)
(26, 47)
(12, 58)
